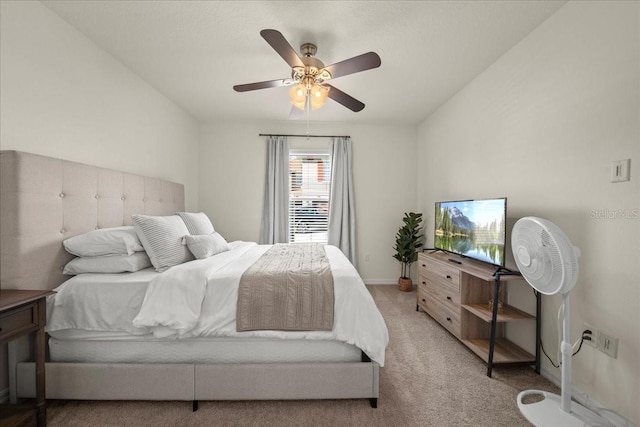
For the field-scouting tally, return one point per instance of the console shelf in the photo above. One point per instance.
(504, 351)
(457, 292)
(508, 313)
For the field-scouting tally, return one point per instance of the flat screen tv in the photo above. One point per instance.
(472, 228)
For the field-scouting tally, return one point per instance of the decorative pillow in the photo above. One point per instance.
(108, 264)
(197, 223)
(204, 246)
(161, 237)
(105, 241)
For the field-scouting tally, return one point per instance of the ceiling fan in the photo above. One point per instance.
(309, 75)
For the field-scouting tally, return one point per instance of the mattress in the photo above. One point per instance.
(93, 347)
(195, 303)
(93, 301)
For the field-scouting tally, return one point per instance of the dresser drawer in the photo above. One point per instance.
(422, 296)
(440, 274)
(443, 314)
(446, 312)
(18, 322)
(439, 292)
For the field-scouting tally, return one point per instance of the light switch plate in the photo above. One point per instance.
(620, 170)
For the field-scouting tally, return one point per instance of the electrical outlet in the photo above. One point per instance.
(594, 335)
(608, 345)
(620, 170)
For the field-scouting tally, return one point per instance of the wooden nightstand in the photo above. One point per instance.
(23, 312)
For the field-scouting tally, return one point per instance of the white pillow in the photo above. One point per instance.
(104, 241)
(108, 264)
(204, 246)
(197, 223)
(161, 237)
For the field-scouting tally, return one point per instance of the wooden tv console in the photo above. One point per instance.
(456, 291)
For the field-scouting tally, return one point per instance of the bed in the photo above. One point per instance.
(45, 201)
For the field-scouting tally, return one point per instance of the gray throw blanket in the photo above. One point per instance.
(288, 288)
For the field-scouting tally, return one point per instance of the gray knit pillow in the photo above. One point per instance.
(161, 237)
(197, 223)
(204, 246)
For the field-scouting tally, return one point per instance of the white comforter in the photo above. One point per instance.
(198, 299)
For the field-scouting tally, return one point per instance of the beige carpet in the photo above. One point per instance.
(429, 379)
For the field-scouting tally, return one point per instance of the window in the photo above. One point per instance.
(309, 186)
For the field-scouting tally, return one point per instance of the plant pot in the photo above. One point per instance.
(405, 284)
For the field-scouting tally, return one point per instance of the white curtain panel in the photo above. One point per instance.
(342, 215)
(275, 212)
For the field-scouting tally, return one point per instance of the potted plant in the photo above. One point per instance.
(408, 241)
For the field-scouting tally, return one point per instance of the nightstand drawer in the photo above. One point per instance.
(18, 322)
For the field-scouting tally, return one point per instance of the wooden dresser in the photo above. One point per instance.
(460, 294)
(23, 312)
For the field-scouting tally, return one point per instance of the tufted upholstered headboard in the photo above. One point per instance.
(44, 201)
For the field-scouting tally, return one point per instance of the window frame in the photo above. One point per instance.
(298, 226)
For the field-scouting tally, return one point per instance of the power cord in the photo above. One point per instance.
(586, 336)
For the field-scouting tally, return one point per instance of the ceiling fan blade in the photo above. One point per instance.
(277, 41)
(344, 99)
(263, 85)
(363, 62)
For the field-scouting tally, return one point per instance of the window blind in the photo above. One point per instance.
(309, 186)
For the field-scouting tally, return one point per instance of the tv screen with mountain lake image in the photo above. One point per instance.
(472, 228)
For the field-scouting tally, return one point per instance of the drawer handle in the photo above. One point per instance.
(424, 283)
(424, 265)
(424, 300)
(448, 277)
(449, 319)
(449, 298)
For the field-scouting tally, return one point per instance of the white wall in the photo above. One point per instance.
(62, 96)
(232, 169)
(541, 127)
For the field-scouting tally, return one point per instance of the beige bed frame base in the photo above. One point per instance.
(188, 382)
(44, 201)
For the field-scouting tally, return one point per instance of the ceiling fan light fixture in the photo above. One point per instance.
(319, 95)
(298, 95)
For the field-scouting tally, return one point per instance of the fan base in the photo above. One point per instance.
(547, 412)
(308, 49)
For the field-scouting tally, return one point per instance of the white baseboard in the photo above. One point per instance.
(4, 396)
(380, 281)
(588, 401)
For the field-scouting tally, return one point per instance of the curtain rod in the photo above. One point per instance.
(305, 136)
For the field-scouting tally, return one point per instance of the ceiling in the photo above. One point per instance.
(193, 52)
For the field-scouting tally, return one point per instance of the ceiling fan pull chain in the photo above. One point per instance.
(308, 110)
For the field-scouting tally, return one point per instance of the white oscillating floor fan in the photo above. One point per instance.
(549, 263)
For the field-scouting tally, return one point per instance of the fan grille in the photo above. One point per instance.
(544, 255)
